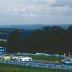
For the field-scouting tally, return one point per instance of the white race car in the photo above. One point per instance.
(25, 58)
(21, 58)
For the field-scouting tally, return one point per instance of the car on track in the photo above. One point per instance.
(21, 58)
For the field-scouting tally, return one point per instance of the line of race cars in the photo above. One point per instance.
(16, 58)
(19, 57)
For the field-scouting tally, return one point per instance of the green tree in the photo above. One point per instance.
(14, 42)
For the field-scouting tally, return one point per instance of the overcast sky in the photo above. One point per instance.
(35, 11)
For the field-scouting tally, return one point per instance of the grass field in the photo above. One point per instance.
(43, 58)
(15, 68)
(47, 58)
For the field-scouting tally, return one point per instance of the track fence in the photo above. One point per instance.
(38, 64)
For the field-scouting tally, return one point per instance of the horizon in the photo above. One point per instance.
(33, 26)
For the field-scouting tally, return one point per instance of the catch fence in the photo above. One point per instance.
(38, 64)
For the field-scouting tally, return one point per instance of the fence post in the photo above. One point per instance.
(53, 66)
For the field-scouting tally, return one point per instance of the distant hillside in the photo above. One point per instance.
(65, 26)
(4, 32)
(33, 26)
(25, 30)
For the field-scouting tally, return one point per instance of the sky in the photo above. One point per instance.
(35, 11)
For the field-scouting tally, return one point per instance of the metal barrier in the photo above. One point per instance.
(38, 64)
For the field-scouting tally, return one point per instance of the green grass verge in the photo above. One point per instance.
(15, 68)
(47, 58)
(43, 58)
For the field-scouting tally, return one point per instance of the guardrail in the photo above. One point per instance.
(38, 64)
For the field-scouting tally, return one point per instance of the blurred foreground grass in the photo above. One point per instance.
(15, 68)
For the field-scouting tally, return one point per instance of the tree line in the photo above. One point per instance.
(45, 40)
